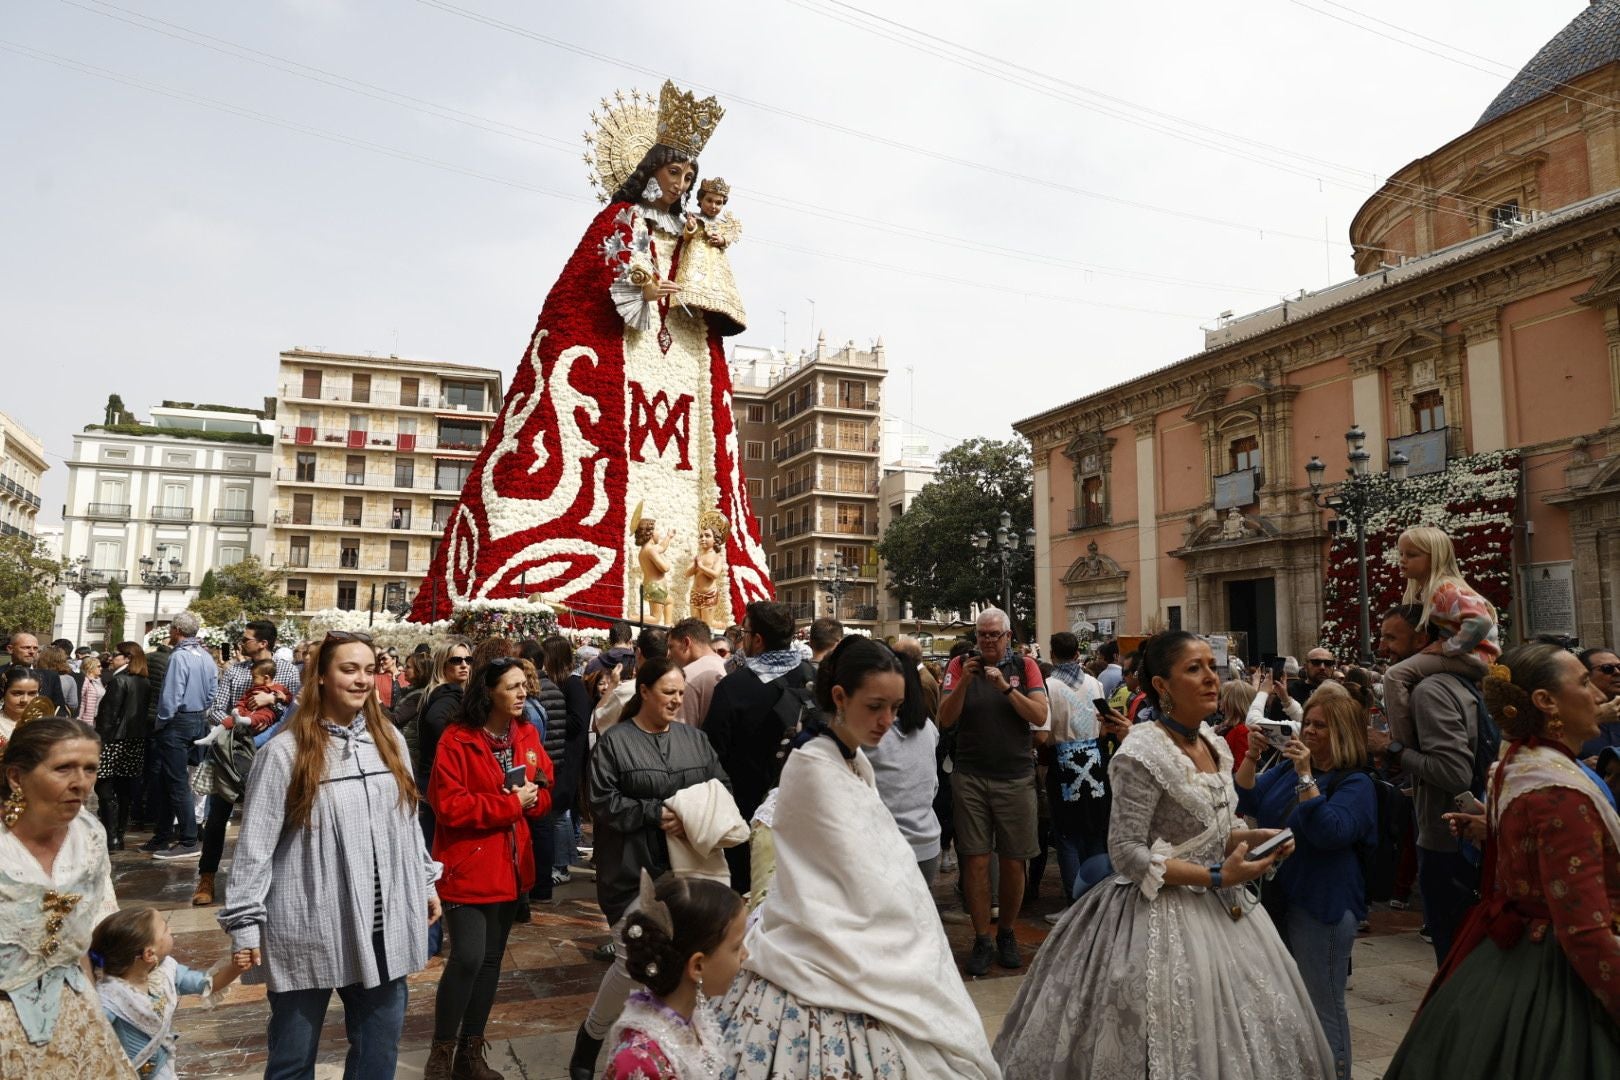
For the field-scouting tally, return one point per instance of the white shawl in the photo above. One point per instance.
(850, 925)
(711, 821)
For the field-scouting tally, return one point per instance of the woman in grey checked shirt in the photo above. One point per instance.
(331, 887)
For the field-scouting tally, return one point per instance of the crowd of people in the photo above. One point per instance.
(768, 813)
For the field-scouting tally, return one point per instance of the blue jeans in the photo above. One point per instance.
(177, 808)
(1322, 951)
(374, 1020)
(1094, 871)
(1447, 881)
(1072, 850)
(565, 850)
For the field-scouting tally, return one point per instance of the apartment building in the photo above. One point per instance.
(810, 428)
(22, 463)
(371, 455)
(187, 491)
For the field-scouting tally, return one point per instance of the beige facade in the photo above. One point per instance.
(371, 457)
(22, 463)
(810, 429)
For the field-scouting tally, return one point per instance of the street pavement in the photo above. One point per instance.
(549, 978)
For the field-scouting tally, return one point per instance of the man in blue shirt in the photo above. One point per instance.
(188, 688)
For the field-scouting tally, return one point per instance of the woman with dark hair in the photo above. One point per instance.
(19, 689)
(452, 664)
(1530, 988)
(1167, 968)
(615, 327)
(331, 886)
(491, 776)
(121, 721)
(637, 765)
(55, 885)
(848, 971)
(558, 666)
(907, 779)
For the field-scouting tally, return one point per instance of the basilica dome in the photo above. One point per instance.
(1591, 40)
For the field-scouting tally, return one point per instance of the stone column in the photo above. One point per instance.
(1487, 414)
(1047, 617)
(1147, 524)
(1367, 400)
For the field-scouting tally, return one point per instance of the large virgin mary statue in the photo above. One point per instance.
(621, 409)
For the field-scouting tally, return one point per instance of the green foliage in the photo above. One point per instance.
(246, 590)
(28, 586)
(116, 413)
(254, 438)
(929, 551)
(112, 609)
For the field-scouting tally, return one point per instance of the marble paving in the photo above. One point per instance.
(550, 977)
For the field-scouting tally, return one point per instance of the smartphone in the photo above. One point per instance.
(1468, 804)
(1278, 663)
(516, 777)
(1101, 705)
(1267, 847)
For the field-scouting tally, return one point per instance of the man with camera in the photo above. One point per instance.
(999, 701)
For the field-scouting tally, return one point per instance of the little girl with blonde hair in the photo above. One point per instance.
(1464, 620)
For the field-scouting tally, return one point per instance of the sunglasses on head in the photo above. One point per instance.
(501, 663)
(343, 637)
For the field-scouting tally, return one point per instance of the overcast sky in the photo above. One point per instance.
(178, 208)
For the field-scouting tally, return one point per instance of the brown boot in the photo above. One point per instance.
(470, 1063)
(204, 895)
(439, 1060)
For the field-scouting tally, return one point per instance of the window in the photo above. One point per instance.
(1246, 453)
(354, 469)
(851, 477)
(451, 475)
(404, 472)
(176, 495)
(460, 434)
(464, 396)
(399, 555)
(410, 391)
(298, 551)
(349, 553)
(756, 488)
(297, 592)
(303, 511)
(179, 460)
(353, 508)
(110, 491)
(1091, 502)
(358, 422)
(441, 514)
(107, 555)
(851, 394)
(754, 451)
(433, 547)
(238, 462)
(115, 453)
(851, 435)
(851, 518)
(347, 591)
(1502, 216)
(310, 418)
(756, 414)
(230, 554)
(401, 516)
(851, 554)
(360, 390)
(405, 425)
(312, 383)
(1428, 411)
(1172, 617)
(306, 467)
(236, 498)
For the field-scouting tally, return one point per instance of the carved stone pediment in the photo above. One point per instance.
(1094, 566)
(1605, 291)
(1232, 527)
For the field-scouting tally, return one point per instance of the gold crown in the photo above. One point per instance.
(717, 186)
(684, 123)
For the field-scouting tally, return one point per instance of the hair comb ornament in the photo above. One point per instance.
(654, 908)
(1510, 712)
(1499, 671)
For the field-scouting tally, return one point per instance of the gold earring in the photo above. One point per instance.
(14, 806)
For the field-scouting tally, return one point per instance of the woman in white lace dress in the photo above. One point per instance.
(1168, 969)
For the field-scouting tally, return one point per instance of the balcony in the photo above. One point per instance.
(171, 513)
(8, 529)
(343, 395)
(801, 612)
(182, 580)
(106, 577)
(863, 613)
(393, 442)
(11, 487)
(107, 511)
(1086, 517)
(828, 443)
(233, 517)
(343, 478)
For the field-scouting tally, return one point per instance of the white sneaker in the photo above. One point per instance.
(1056, 917)
(947, 864)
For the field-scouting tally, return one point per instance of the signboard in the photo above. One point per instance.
(1234, 489)
(1549, 598)
(1425, 451)
(1219, 646)
(1105, 629)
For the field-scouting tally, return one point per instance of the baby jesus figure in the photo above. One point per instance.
(703, 269)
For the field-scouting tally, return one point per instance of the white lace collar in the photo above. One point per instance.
(671, 221)
(691, 1047)
(1175, 772)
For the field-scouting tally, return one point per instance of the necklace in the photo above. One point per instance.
(1187, 734)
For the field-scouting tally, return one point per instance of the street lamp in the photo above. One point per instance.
(397, 599)
(157, 576)
(1006, 550)
(1355, 497)
(79, 578)
(834, 579)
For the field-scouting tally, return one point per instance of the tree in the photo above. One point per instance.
(113, 611)
(209, 587)
(28, 586)
(244, 590)
(928, 550)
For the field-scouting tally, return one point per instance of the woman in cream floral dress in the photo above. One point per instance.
(1168, 970)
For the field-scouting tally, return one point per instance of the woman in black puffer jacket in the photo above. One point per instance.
(121, 721)
(548, 697)
(452, 663)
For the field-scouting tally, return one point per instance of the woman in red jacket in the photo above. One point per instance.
(483, 841)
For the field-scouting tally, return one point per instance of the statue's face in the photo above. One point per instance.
(675, 179)
(706, 539)
(712, 203)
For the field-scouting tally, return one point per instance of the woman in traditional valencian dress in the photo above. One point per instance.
(1531, 987)
(623, 400)
(1167, 970)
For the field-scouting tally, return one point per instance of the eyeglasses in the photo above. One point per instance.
(990, 635)
(343, 637)
(456, 660)
(1607, 669)
(1320, 663)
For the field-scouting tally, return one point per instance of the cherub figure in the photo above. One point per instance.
(708, 568)
(704, 269)
(654, 558)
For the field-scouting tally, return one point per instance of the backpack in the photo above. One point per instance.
(796, 713)
(1379, 857)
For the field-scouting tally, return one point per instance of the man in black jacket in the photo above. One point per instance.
(25, 653)
(753, 713)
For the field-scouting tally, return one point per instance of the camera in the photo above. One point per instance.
(1278, 732)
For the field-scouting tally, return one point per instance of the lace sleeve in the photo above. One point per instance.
(1134, 851)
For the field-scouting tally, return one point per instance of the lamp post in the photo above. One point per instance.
(834, 579)
(1007, 549)
(79, 578)
(1356, 495)
(396, 598)
(157, 576)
